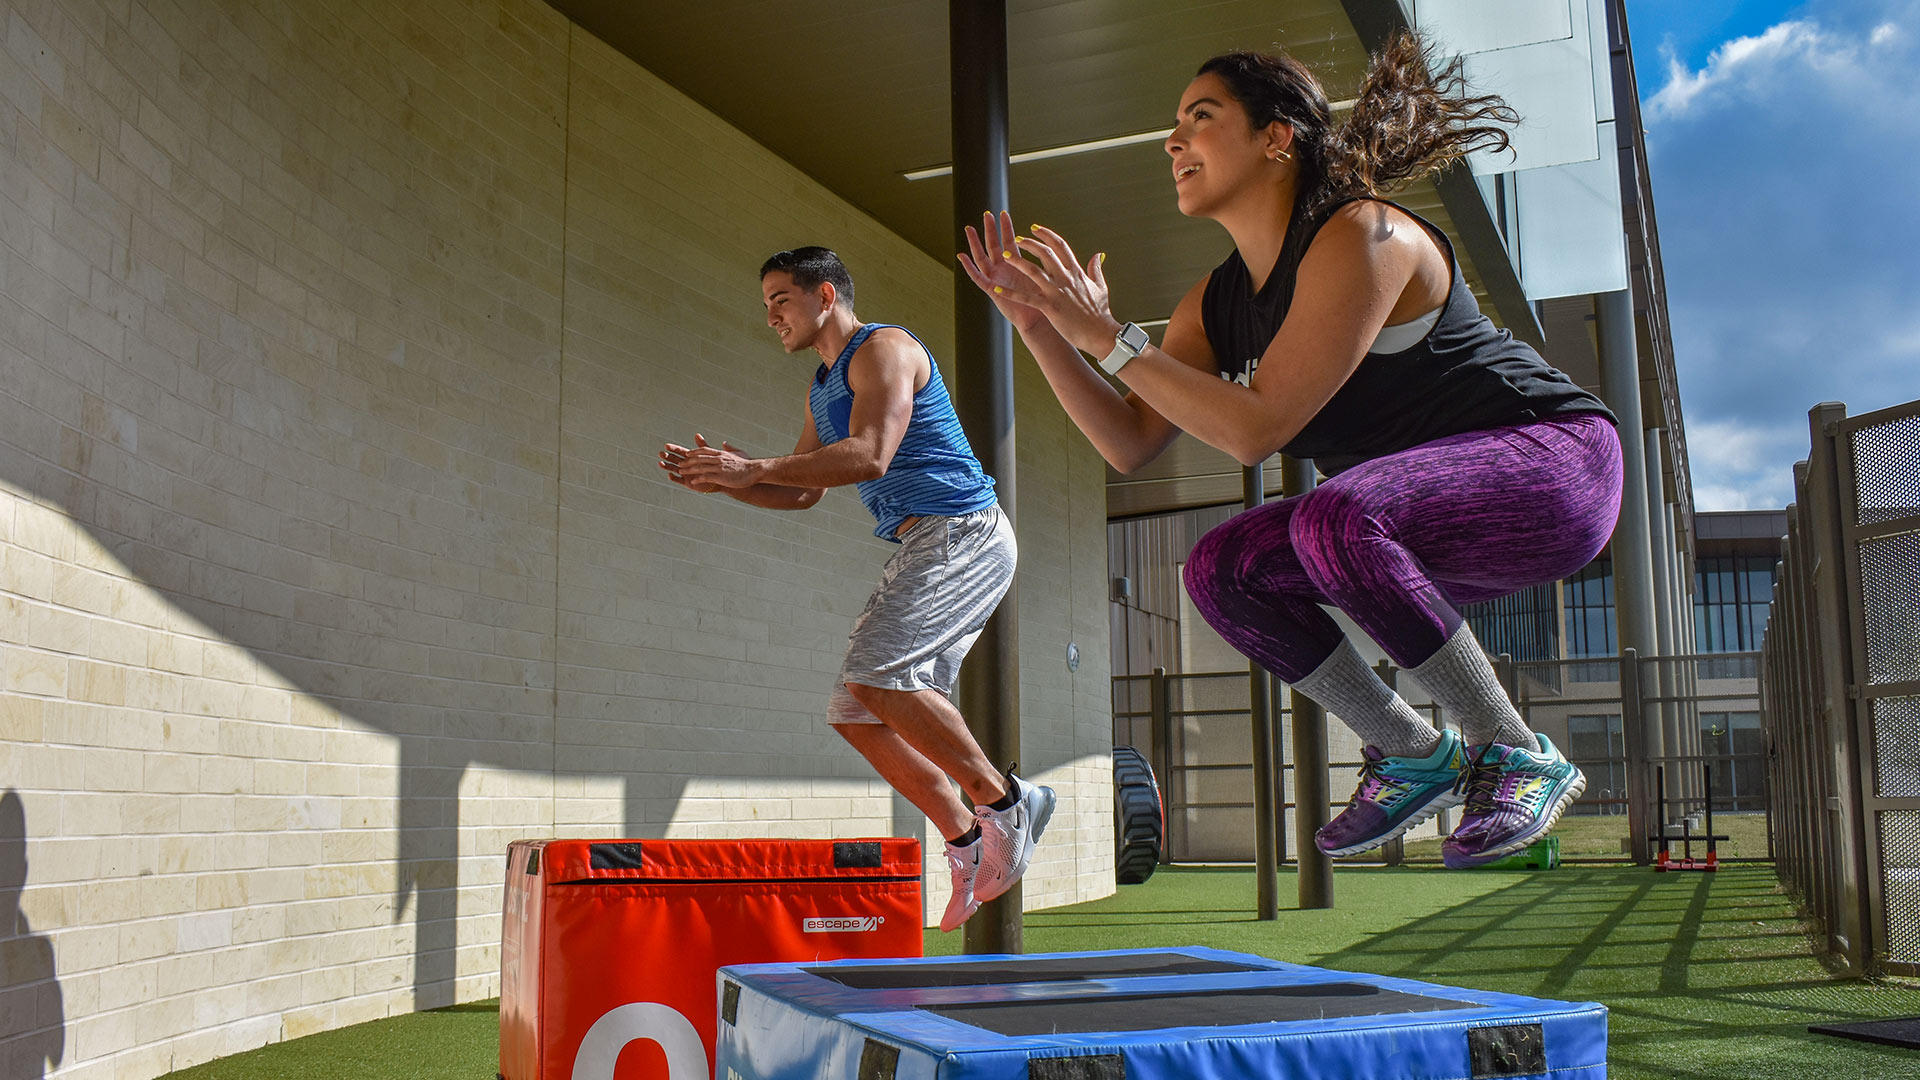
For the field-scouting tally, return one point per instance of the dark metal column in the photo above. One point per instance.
(1309, 752)
(1266, 853)
(989, 688)
(1661, 680)
(1632, 547)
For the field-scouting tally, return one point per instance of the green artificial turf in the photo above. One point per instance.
(457, 1043)
(1707, 976)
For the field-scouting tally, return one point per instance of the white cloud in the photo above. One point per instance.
(1714, 498)
(1740, 465)
(1755, 61)
(1903, 343)
(1727, 64)
(1739, 445)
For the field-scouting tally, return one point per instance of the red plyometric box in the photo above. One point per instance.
(609, 947)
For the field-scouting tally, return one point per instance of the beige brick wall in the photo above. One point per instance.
(336, 338)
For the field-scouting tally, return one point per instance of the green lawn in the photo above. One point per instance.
(1707, 976)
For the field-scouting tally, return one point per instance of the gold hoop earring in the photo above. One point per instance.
(1281, 155)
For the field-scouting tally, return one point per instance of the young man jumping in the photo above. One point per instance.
(878, 417)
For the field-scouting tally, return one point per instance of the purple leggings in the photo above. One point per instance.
(1398, 541)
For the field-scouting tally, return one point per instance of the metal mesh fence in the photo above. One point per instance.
(1890, 605)
(1896, 747)
(1884, 454)
(1840, 686)
(1900, 870)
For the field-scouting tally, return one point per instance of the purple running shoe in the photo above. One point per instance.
(1514, 796)
(1395, 794)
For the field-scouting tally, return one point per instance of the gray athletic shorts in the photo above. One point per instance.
(933, 599)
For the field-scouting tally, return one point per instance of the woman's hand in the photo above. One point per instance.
(1074, 300)
(991, 267)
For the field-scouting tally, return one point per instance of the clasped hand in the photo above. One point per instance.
(706, 468)
(1051, 286)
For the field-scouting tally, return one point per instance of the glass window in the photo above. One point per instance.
(1598, 746)
(1595, 737)
(1735, 748)
(1731, 594)
(1589, 599)
(1523, 626)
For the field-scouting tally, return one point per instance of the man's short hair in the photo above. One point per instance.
(809, 266)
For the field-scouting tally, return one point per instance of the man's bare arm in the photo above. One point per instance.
(886, 373)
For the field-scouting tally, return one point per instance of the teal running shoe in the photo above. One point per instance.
(1395, 794)
(1514, 796)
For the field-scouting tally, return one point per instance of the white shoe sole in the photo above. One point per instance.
(948, 924)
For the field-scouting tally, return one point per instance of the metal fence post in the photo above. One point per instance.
(1266, 866)
(1277, 693)
(1160, 736)
(1639, 768)
(1393, 851)
(1309, 751)
(1856, 889)
(1310, 800)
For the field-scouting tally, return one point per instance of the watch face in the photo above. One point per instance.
(1134, 337)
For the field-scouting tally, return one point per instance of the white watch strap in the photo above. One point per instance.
(1123, 348)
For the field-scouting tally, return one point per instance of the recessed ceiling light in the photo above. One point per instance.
(1070, 149)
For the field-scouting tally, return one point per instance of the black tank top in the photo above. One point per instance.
(1465, 375)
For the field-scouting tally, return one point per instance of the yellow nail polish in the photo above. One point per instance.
(997, 288)
(1006, 254)
(1103, 257)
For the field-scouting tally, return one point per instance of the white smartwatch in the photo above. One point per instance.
(1130, 342)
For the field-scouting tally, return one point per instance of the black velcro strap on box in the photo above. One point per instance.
(1507, 1050)
(533, 861)
(730, 1002)
(614, 856)
(878, 1061)
(1085, 1067)
(857, 855)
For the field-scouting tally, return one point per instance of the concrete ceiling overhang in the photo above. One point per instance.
(855, 95)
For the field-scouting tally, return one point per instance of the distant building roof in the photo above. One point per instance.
(1741, 524)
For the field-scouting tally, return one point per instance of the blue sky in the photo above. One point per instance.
(1784, 145)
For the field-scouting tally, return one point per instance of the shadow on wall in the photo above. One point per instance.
(435, 754)
(286, 448)
(33, 1022)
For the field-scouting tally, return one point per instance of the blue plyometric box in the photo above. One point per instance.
(1160, 1014)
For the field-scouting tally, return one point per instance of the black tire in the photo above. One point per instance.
(1138, 818)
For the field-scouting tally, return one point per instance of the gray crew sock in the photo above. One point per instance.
(1463, 683)
(1349, 689)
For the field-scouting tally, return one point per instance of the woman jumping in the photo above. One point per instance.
(1461, 466)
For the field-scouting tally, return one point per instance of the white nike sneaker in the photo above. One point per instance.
(964, 862)
(1007, 837)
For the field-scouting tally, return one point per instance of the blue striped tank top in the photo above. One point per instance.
(933, 472)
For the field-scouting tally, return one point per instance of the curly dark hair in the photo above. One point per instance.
(1413, 117)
